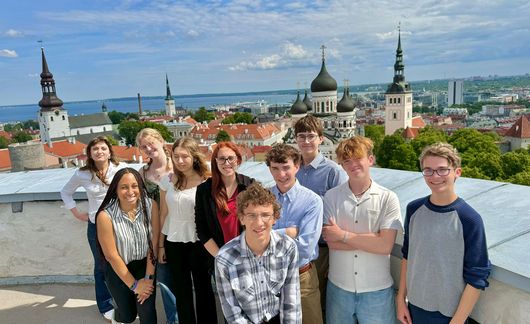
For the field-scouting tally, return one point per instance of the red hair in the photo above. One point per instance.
(218, 188)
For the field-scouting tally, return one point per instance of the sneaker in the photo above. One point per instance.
(109, 315)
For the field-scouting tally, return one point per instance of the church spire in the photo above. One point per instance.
(49, 100)
(168, 91)
(399, 84)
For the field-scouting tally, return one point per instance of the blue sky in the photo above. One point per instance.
(101, 49)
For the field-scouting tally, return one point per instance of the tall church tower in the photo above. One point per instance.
(53, 118)
(398, 97)
(170, 103)
(324, 90)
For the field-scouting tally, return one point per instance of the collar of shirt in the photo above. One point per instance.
(374, 190)
(290, 195)
(316, 161)
(270, 250)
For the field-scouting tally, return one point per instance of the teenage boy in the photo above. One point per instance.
(257, 272)
(361, 220)
(445, 258)
(319, 174)
(301, 218)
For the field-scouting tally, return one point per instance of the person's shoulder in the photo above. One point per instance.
(306, 192)
(244, 180)
(416, 203)
(231, 250)
(283, 243)
(206, 185)
(337, 191)
(466, 213)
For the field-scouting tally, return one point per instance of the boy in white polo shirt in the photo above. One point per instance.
(361, 221)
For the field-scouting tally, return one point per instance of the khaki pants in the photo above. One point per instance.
(322, 265)
(310, 295)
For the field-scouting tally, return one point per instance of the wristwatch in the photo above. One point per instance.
(150, 276)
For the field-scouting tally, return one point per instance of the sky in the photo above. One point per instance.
(99, 49)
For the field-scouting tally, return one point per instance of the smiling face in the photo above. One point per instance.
(258, 221)
(152, 147)
(284, 174)
(440, 185)
(128, 190)
(308, 143)
(100, 152)
(358, 169)
(182, 159)
(227, 162)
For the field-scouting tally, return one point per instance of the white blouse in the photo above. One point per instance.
(95, 189)
(179, 225)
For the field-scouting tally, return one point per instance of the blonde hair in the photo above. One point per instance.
(444, 150)
(200, 165)
(151, 132)
(355, 147)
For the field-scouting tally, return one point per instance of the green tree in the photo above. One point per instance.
(116, 117)
(222, 136)
(427, 136)
(489, 164)
(4, 142)
(515, 162)
(385, 153)
(470, 142)
(522, 178)
(30, 124)
(239, 118)
(21, 137)
(203, 115)
(473, 172)
(112, 140)
(129, 128)
(404, 158)
(376, 133)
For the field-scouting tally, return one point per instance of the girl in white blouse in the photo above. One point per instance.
(95, 178)
(178, 242)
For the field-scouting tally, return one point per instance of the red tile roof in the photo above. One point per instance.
(521, 128)
(127, 153)
(237, 131)
(65, 148)
(5, 134)
(418, 122)
(5, 160)
(410, 133)
(261, 149)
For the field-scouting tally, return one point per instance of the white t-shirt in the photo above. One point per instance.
(179, 225)
(378, 208)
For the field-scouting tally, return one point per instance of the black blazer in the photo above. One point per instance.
(206, 221)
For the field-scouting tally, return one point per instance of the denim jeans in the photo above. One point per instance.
(164, 281)
(375, 307)
(103, 298)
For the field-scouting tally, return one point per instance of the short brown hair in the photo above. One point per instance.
(354, 148)
(281, 153)
(308, 124)
(257, 195)
(444, 150)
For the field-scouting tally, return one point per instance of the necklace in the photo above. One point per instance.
(359, 195)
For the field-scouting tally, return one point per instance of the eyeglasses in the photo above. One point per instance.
(442, 172)
(254, 217)
(223, 159)
(306, 137)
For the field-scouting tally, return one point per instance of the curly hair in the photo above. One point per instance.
(257, 195)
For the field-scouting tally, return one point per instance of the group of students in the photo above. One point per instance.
(314, 246)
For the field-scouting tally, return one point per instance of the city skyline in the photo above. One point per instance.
(105, 49)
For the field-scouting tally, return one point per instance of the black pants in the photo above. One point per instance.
(187, 260)
(127, 305)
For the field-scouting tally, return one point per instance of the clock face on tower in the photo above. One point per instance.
(57, 112)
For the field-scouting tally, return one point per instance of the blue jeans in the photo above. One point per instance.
(422, 316)
(164, 281)
(375, 307)
(103, 298)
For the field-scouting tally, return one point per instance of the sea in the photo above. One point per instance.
(19, 113)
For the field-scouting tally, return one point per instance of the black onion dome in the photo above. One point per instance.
(298, 107)
(346, 104)
(324, 81)
(308, 102)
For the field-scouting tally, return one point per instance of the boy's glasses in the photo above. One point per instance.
(309, 137)
(223, 159)
(442, 172)
(254, 217)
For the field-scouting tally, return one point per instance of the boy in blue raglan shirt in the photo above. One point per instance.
(445, 258)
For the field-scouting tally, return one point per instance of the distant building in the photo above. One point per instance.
(455, 93)
(169, 102)
(54, 122)
(519, 134)
(398, 97)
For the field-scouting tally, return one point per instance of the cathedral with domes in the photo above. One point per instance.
(337, 117)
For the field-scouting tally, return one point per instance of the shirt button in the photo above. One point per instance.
(356, 255)
(356, 221)
(356, 273)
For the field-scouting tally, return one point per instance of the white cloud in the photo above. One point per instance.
(192, 33)
(13, 33)
(33, 75)
(291, 54)
(8, 53)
